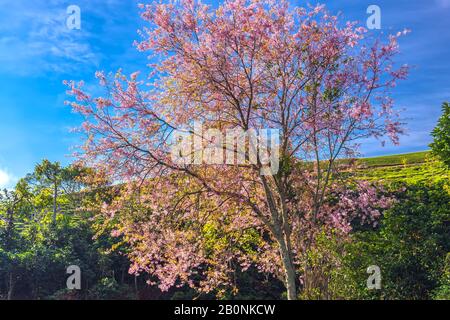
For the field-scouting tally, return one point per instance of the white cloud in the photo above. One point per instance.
(6, 179)
(35, 39)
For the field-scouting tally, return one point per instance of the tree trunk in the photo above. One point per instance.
(11, 285)
(55, 195)
(289, 271)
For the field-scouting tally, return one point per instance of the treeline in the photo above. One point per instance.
(49, 222)
(43, 230)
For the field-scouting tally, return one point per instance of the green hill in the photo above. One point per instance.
(411, 168)
(397, 159)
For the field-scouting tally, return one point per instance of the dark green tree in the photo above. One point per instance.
(441, 134)
(410, 247)
(44, 228)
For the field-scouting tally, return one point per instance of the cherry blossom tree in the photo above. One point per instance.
(245, 65)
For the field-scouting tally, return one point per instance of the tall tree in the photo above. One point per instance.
(12, 214)
(248, 65)
(60, 180)
(441, 134)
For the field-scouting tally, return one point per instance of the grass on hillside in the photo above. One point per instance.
(394, 160)
(409, 168)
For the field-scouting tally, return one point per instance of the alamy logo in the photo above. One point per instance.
(235, 147)
(374, 20)
(74, 280)
(374, 280)
(74, 19)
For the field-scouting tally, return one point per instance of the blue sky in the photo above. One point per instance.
(38, 51)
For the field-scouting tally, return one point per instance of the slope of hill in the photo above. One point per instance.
(410, 168)
(397, 159)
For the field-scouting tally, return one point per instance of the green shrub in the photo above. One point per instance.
(443, 291)
(110, 289)
(410, 247)
(441, 135)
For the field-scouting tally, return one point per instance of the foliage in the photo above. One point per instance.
(443, 291)
(143, 224)
(247, 65)
(324, 268)
(441, 134)
(36, 247)
(410, 247)
(110, 289)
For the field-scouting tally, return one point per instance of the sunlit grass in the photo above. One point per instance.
(409, 168)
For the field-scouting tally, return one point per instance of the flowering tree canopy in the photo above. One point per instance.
(247, 65)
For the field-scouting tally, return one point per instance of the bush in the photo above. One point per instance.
(110, 289)
(441, 135)
(443, 291)
(410, 247)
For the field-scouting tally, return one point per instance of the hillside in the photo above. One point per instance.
(396, 159)
(411, 167)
